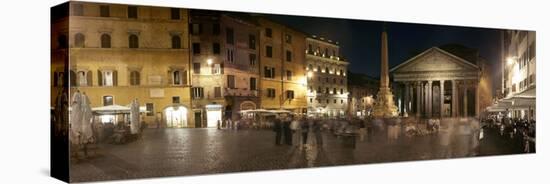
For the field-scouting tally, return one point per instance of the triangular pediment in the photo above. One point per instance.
(433, 60)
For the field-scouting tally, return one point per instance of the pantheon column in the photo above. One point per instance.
(465, 97)
(430, 99)
(454, 100)
(406, 100)
(441, 97)
(418, 97)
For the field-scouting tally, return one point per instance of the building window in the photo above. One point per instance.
(268, 51)
(134, 78)
(341, 81)
(176, 99)
(289, 94)
(79, 40)
(268, 32)
(269, 72)
(108, 100)
(133, 41)
(81, 78)
(231, 81)
(288, 56)
(229, 36)
(319, 89)
(108, 78)
(175, 13)
(150, 109)
(216, 69)
(217, 92)
(270, 92)
(252, 59)
(105, 41)
(179, 77)
(288, 75)
(78, 10)
(230, 55)
(334, 101)
(341, 101)
(334, 91)
(216, 48)
(196, 48)
(252, 83)
(198, 92)
(176, 42)
(310, 100)
(132, 12)
(326, 52)
(309, 48)
(341, 91)
(216, 29)
(251, 42)
(288, 38)
(197, 68)
(104, 11)
(327, 91)
(196, 29)
(334, 80)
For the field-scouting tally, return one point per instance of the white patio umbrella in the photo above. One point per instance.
(86, 132)
(111, 109)
(75, 118)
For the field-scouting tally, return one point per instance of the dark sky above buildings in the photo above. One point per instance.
(360, 40)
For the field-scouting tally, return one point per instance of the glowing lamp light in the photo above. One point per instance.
(310, 74)
(209, 61)
(510, 60)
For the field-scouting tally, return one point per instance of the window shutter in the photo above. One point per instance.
(221, 68)
(115, 78)
(89, 78)
(54, 79)
(170, 78)
(99, 78)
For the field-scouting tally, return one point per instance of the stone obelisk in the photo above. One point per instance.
(384, 105)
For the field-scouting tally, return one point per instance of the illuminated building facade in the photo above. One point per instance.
(122, 52)
(282, 67)
(327, 93)
(518, 74)
(362, 94)
(225, 66)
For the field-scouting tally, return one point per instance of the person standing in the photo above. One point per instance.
(317, 131)
(277, 127)
(287, 131)
(305, 129)
(295, 128)
(362, 130)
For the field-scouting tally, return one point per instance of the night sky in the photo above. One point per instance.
(360, 40)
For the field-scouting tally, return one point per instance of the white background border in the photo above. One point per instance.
(24, 91)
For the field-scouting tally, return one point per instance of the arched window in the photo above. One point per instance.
(176, 42)
(79, 40)
(134, 78)
(133, 41)
(105, 41)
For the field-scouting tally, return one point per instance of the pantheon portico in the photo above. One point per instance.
(436, 83)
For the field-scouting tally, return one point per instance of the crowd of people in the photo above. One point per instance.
(520, 129)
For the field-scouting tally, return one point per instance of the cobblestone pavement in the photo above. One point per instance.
(177, 152)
